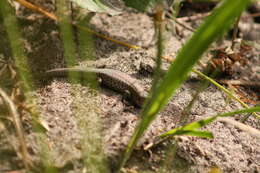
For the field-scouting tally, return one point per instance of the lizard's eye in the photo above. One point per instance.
(127, 94)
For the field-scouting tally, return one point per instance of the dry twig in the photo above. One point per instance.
(252, 131)
(18, 126)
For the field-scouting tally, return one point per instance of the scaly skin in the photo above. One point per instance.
(113, 79)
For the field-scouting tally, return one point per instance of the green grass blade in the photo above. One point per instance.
(16, 44)
(214, 26)
(201, 123)
(86, 41)
(66, 33)
(101, 6)
(197, 133)
(90, 127)
(141, 5)
(229, 93)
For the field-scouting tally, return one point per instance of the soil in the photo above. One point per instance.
(76, 115)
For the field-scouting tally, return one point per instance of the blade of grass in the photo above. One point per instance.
(36, 8)
(229, 93)
(14, 36)
(201, 123)
(186, 112)
(197, 133)
(214, 26)
(83, 28)
(86, 41)
(66, 33)
(140, 5)
(191, 127)
(159, 26)
(98, 6)
(90, 127)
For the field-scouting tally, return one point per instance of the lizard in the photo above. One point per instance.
(110, 78)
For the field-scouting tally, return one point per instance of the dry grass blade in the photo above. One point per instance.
(234, 37)
(106, 37)
(252, 131)
(183, 25)
(36, 8)
(2, 70)
(18, 127)
(195, 17)
(241, 82)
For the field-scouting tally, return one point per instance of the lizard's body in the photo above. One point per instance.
(113, 79)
